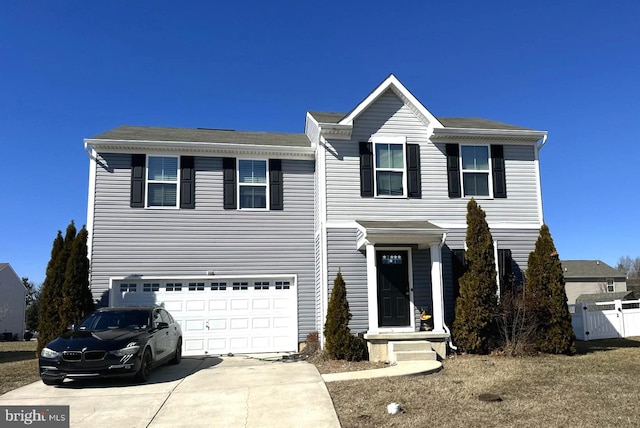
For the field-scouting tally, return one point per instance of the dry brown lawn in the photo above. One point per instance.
(18, 365)
(599, 387)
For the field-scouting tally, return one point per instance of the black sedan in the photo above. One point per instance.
(113, 342)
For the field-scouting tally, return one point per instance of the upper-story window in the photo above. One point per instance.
(390, 169)
(475, 170)
(162, 181)
(252, 183)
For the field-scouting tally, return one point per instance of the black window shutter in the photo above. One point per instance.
(229, 183)
(459, 266)
(453, 170)
(505, 270)
(187, 182)
(499, 178)
(366, 169)
(275, 184)
(413, 171)
(137, 180)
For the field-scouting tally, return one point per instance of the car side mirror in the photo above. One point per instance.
(162, 325)
(70, 327)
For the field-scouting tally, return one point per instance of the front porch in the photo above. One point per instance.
(396, 292)
(409, 346)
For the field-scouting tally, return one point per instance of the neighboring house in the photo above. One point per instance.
(241, 234)
(13, 303)
(591, 277)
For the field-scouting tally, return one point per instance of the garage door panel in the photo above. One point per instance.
(239, 304)
(218, 324)
(173, 306)
(261, 304)
(258, 323)
(239, 324)
(194, 346)
(217, 346)
(281, 322)
(217, 305)
(193, 325)
(217, 318)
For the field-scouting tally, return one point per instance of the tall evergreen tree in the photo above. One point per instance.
(50, 325)
(546, 291)
(474, 326)
(51, 295)
(77, 301)
(336, 329)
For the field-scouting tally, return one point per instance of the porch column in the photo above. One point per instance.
(437, 288)
(372, 291)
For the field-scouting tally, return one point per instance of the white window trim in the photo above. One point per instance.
(390, 140)
(489, 172)
(266, 184)
(147, 182)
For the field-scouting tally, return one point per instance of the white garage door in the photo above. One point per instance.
(225, 315)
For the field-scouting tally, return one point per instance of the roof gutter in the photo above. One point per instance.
(143, 146)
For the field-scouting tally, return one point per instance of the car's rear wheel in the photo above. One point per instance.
(145, 366)
(52, 382)
(177, 356)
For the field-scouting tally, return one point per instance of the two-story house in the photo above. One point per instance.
(241, 234)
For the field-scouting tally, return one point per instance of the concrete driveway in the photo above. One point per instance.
(199, 392)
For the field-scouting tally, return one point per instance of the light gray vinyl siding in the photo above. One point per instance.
(342, 255)
(156, 242)
(390, 117)
(520, 241)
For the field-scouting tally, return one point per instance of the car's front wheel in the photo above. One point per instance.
(145, 366)
(52, 382)
(177, 356)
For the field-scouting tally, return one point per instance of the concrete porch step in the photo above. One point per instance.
(411, 345)
(415, 355)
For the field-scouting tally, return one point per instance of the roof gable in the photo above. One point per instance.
(393, 84)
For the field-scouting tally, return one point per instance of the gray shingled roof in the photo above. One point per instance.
(605, 297)
(327, 117)
(478, 123)
(197, 135)
(589, 269)
(3, 265)
(448, 122)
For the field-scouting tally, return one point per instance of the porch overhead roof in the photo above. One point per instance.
(422, 233)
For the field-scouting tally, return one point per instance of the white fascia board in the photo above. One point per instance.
(539, 183)
(140, 277)
(398, 88)
(524, 135)
(91, 202)
(144, 146)
(336, 131)
(311, 121)
(492, 225)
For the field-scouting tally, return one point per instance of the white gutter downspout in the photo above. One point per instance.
(444, 325)
(544, 141)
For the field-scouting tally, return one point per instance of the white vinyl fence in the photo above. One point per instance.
(606, 320)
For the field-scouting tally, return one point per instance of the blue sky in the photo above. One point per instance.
(71, 70)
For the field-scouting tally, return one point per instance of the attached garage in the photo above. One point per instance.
(221, 315)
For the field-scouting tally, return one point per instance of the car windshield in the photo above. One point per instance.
(111, 320)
